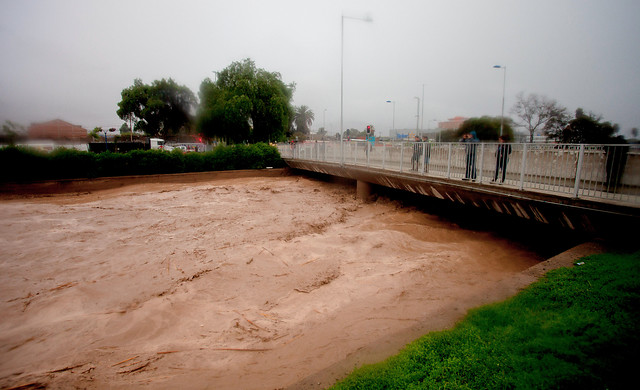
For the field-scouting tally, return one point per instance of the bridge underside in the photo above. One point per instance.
(575, 214)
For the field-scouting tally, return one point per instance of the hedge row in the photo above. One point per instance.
(24, 164)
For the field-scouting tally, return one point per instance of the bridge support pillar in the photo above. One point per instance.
(363, 190)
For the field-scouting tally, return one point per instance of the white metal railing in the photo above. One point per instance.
(607, 172)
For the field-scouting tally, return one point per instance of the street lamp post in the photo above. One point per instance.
(422, 121)
(393, 123)
(418, 117)
(504, 83)
(324, 121)
(365, 19)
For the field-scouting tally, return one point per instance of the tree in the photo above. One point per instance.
(539, 113)
(95, 133)
(486, 128)
(588, 129)
(245, 103)
(322, 132)
(303, 119)
(162, 108)
(11, 132)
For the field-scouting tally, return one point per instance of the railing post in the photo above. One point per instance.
(355, 153)
(424, 158)
(576, 186)
(401, 154)
(481, 161)
(449, 163)
(384, 147)
(366, 145)
(524, 165)
(333, 146)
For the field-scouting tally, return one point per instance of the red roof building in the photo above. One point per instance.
(56, 130)
(452, 123)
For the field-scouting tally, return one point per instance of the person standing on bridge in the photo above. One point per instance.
(427, 152)
(471, 146)
(417, 152)
(502, 158)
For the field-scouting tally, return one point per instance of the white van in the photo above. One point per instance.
(156, 143)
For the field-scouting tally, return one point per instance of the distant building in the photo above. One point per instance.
(452, 123)
(405, 133)
(57, 130)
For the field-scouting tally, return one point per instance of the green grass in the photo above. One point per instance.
(576, 328)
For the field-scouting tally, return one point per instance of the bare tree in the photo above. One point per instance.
(540, 113)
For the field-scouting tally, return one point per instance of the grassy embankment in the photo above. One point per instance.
(576, 328)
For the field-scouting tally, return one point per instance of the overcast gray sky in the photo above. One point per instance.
(70, 59)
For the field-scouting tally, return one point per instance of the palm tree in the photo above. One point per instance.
(303, 119)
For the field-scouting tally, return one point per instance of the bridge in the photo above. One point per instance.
(588, 188)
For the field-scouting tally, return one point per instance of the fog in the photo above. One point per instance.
(71, 59)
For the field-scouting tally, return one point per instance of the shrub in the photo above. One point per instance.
(21, 164)
(25, 164)
(71, 163)
(113, 164)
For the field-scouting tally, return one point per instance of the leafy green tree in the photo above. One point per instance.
(486, 128)
(448, 136)
(245, 103)
(588, 129)
(159, 109)
(539, 113)
(96, 133)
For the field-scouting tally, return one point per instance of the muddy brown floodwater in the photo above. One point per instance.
(253, 283)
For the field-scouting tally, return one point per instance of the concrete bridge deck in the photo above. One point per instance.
(590, 215)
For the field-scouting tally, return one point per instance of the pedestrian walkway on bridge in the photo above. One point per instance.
(603, 173)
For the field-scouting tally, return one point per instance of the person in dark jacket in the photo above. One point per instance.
(417, 152)
(471, 146)
(502, 158)
(427, 152)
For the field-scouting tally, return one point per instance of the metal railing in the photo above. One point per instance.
(596, 172)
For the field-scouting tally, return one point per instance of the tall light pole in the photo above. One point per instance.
(324, 122)
(418, 117)
(393, 123)
(365, 19)
(422, 121)
(504, 83)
